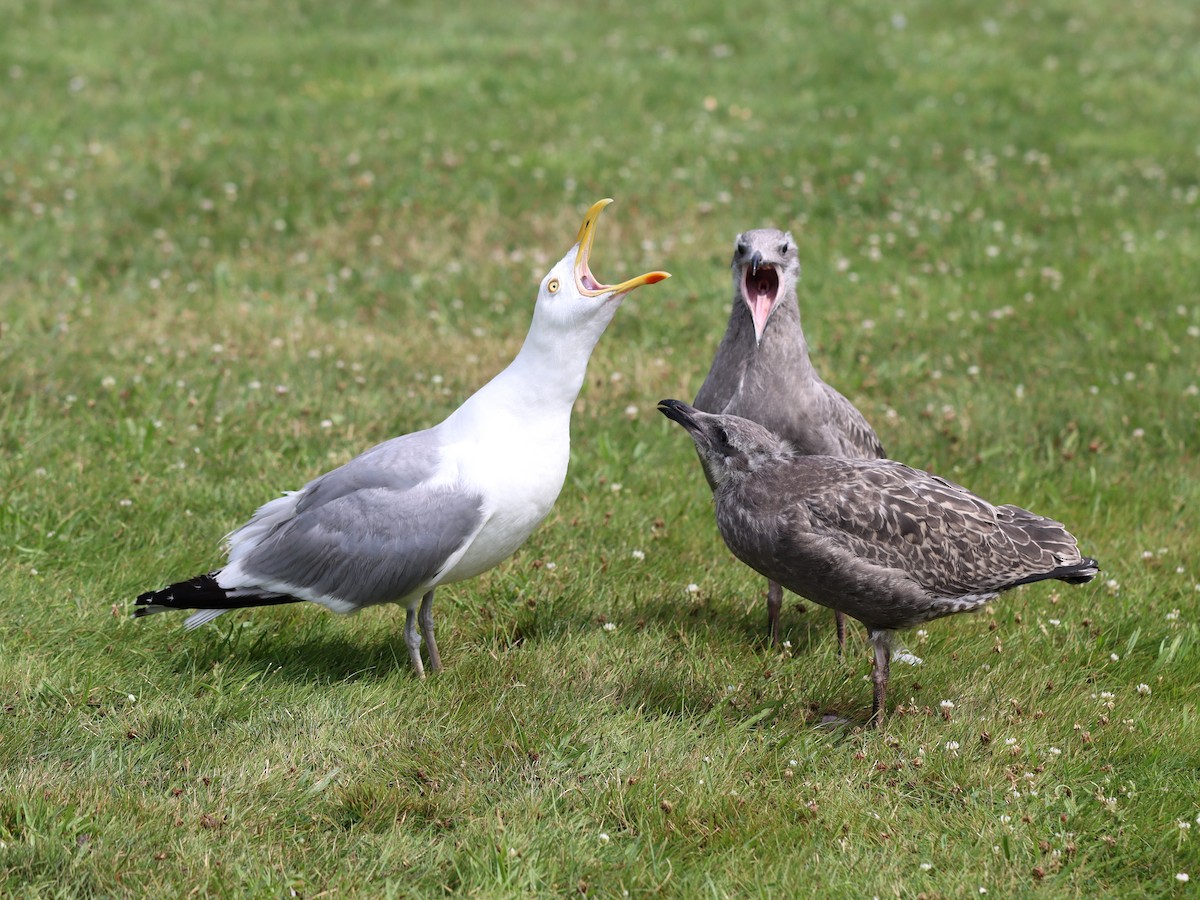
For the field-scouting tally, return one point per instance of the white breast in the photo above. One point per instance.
(520, 474)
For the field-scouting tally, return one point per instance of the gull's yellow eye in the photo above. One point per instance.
(553, 286)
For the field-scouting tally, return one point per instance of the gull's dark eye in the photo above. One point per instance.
(783, 248)
(742, 247)
(722, 435)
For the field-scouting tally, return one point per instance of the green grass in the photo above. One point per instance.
(243, 241)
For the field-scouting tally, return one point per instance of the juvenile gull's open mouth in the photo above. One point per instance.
(760, 288)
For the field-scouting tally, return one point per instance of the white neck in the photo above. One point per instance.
(547, 373)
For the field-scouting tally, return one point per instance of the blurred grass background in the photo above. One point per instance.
(243, 241)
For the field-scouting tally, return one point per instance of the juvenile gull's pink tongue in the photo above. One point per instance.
(760, 291)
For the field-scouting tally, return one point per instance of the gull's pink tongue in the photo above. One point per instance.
(760, 309)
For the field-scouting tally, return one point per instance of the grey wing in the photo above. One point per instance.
(858, 438)
(947, 539)
(401, 463)
(369, 545)
(371, 531)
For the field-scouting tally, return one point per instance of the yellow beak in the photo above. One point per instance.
(585, 281)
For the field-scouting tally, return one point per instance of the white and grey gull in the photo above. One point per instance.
(888, 545)
(762, 372)
(435, 506)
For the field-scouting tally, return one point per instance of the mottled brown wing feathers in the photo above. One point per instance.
(950, 541)
(860, 438)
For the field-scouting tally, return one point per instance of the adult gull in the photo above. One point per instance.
(431, 507)
(762, 372)
(890, 546)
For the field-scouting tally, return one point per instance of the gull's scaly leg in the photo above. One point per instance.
(879, 674)
(425, 617)
(774, 602)
(413, 640)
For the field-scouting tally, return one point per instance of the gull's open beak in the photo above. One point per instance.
(760, 290)
(585, 281)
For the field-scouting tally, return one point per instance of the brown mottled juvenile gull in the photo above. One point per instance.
(887, 545)
(434, 506)
(762, 372)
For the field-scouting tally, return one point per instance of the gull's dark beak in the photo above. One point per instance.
(756, 262)
(678, 411)
(585, 281)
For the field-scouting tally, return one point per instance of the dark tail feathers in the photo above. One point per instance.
(1080, 573)
(1076, 573)
(203, 592)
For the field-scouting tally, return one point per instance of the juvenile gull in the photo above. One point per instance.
(887, 545)
(431, 507)
(762, 372)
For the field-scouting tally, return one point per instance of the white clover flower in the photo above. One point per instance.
(947, 704)
(610, 626)
(639, 555)
(1054, 751)
(1181, 877)
(1143, 689)
(925, 867)
(1114, 657)
(603, 836)
(952, 746)
(693, 588)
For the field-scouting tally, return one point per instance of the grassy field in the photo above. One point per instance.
(243, 241)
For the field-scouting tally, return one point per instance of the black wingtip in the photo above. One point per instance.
(203, 592)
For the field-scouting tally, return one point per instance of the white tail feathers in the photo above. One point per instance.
(202, 617)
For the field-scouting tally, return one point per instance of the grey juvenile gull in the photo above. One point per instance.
(888, 545)
(434, 506)
(762, 372)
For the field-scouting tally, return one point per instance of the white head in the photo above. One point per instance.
(572, 304)
(766, 267)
